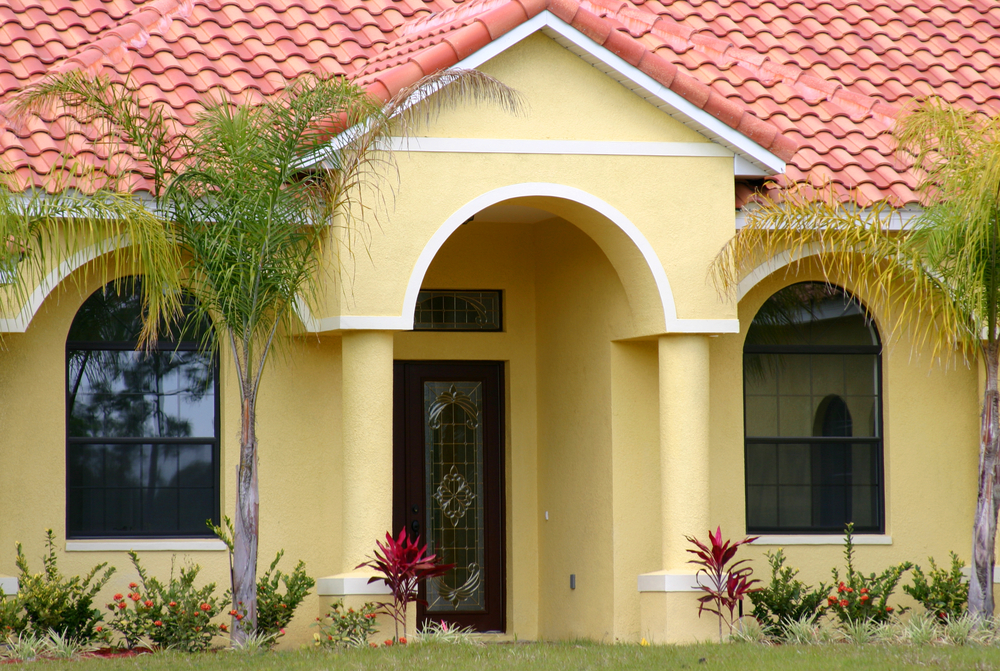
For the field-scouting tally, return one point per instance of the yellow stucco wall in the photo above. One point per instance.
(667, 198)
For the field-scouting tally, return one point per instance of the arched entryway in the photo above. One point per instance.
(571, 283)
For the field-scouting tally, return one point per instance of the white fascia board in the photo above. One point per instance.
(745, 168)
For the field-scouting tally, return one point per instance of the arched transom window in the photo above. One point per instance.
(142, 453)
(812, 414)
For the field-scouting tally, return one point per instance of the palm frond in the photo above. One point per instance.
(890, 272)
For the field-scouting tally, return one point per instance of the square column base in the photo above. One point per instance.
(668, 610)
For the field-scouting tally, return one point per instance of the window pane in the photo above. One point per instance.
(195, 466)
(811, 313)
(151, 489)
(794, 506)
(134, 394)
(812, 390)
(794, 374)
(457, 311)
(794, 465)
(795, 416)
(762, 465)
(200, 507)
(761, 415)
(762, 507)
(827, 374)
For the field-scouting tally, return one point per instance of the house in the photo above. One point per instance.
(530, 366)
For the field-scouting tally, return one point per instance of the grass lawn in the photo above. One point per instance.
(578, 657)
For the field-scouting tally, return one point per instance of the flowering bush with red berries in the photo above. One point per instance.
(174, 615)
(128, 618)
(347, 627)
(864, 598)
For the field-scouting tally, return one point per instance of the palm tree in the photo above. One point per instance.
(940, 279)
(241, 214)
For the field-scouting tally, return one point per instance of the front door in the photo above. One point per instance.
(448, 478)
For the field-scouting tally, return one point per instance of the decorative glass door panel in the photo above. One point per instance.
(449, 489)
(453, 476)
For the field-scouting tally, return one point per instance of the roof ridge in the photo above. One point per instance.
(133, 30)
(724, 52)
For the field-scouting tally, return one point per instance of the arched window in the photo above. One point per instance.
(812, 414)
(142, 453)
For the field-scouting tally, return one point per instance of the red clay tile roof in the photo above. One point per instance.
(817, 82)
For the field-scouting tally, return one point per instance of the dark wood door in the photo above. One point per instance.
(448, 478)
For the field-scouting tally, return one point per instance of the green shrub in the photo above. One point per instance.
(861, 598)
(346, 628)
(13, 620)
(943, 593)
(786, 600)
(52, 602)
(176, 615)
(274, 609)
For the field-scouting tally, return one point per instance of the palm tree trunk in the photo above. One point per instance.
(984, 529)
(246, 528)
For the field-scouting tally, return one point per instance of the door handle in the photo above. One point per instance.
(415, 527)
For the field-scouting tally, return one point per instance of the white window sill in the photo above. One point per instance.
(160, 545)
(806, 539)
(8, 586)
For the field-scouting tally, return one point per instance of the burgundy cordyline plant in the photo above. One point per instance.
(725, 584)
(402, 563)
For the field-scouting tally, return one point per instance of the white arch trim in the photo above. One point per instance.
(404, 322)
(775, 263)
(19, 323)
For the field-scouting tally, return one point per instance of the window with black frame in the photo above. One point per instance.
(812, 414)
(142, 454)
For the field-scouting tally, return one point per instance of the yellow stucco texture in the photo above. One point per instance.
(930, 450)
(635, 445)
(568, 99)
(299, 457)
(681, 206)
(685, 220)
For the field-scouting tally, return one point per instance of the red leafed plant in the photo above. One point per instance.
(402, 564)
(725, 584)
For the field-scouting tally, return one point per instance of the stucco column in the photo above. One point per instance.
(367, 442)
(684, 432)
